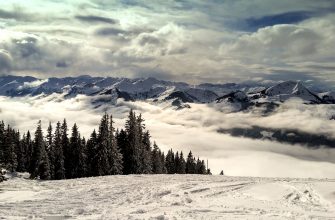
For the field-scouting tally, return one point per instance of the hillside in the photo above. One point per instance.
(168, 197)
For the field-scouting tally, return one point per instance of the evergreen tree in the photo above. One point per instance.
(101, 158)
(106, 153)
(10, 156)
(50, 150)
(2, 143)
(115, 159)
(146, 163)
(59, 170)
(30, 149)
(66, 149)
(91, 150)
(157, 165)
(40, 160)
(170, 162)
(181, 169)
(190, 164)
(200, 167)
(122, 143)
(76, 164)
(133, 146)
(163, 162)
(19, 151)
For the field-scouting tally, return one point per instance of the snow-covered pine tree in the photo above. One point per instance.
(115, 159)
(40, 159)
(59, 170)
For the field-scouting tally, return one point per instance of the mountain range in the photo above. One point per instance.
(151, 89)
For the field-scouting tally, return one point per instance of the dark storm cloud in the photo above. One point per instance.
(96, 19)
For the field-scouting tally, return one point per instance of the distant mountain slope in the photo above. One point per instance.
(176, 94)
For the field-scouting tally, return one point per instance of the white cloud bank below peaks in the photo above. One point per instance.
(196, 129)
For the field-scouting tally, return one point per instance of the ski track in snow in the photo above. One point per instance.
(168, 197)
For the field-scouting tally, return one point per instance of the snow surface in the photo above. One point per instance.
(168, 197)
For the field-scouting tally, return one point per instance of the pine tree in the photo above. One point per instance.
(59, 170)
(157, 165)
(190, 164)
(115, 159)
(170, 162)
(203, 169)
(176, 162)
(76, 164)
(30, 151)
(2, 143)
(66, 149)
(182, 164)
(19, 151)
(40, 160)
(133, 146)
(91, 150)
(101, 158)
(10, 154)
(163, 162)
(146, 154)
(50, 150)
(122, 143)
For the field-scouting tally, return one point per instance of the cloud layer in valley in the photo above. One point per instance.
(192, 41)
(196, 129)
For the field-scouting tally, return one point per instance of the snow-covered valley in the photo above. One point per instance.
(168, 197)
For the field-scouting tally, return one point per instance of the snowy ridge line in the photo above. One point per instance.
(160, 90)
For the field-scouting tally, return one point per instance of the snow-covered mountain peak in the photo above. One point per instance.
(289, 89)
(158, 91)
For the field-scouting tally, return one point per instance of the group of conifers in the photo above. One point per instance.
(107, 152)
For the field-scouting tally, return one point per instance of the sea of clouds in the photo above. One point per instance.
(196, 129)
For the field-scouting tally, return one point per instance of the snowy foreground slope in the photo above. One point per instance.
(168, 197)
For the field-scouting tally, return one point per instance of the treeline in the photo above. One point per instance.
(58, 155)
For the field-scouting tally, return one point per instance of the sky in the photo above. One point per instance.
(181, 40)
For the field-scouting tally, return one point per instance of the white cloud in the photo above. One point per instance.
(180, 38)
(196, 129)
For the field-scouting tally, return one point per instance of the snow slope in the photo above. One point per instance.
(168, 197)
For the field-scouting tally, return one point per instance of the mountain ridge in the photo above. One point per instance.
(160, 90)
